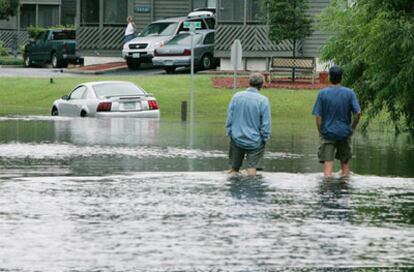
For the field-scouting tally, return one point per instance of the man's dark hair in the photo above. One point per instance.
(335, 74)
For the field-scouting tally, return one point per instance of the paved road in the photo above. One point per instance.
(49, 72)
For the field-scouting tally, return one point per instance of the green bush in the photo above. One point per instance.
(3, 51)
(10, 61)
(34, 31)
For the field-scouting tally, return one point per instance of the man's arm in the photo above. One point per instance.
(229, 119)
(266, 125)
(318, 123)
(357, 117)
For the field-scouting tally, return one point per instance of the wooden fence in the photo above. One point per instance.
(8, 36)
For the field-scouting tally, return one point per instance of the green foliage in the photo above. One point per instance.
(11, 61)
(33, 31)
(374, 42)
(8, 8)
(3, 51)
(287, 19)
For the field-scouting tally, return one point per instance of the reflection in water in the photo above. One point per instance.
(107, 131)
(247, 188)
(334, 199)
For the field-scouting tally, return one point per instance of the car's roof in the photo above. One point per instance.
(181, 19)
(91, 83)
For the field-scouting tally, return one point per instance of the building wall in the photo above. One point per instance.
(312, 44)
(68, 12)
(171, 8)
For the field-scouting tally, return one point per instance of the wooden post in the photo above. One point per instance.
(184, 111)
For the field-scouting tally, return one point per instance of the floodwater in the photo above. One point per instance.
(85, 194)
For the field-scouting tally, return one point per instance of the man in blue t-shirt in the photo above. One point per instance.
(333, 110)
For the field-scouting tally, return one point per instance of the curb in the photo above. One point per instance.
(95, 72)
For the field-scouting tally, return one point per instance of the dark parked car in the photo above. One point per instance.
(55, 46)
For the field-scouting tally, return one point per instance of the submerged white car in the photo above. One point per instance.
(107, 99)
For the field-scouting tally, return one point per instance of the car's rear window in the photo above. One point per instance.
(159, 29)
(116, 89)
(64, 35)
(185, 39)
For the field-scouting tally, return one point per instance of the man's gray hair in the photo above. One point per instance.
(256, 80)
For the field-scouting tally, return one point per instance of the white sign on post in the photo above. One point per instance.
(236, 59)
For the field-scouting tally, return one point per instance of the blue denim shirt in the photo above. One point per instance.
(249, 121)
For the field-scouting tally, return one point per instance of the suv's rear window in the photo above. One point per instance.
(116, 89)
(64, 35)
(159, 29)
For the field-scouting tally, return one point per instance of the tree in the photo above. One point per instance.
(288, 20)
(8, 8)
(373, 40)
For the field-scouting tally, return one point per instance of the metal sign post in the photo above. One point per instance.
(192, 26)
(236, 60)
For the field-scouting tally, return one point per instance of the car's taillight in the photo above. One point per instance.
(65, 47)
(187, 52)
(153, 105)
(104, 106)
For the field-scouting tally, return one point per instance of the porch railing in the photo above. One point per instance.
(96, 38)
(254, 38)
(8, 37)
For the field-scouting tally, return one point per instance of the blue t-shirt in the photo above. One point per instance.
(335, 106)
(249, 122)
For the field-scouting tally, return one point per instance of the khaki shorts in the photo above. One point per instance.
(254, 157)
(330, 150)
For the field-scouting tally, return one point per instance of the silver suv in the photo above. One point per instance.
(141, 49)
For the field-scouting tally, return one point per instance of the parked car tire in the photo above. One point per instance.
(83, 114)
(133, 64)
(58, 63)
(169, 70)
(27, 61)
(54, 111)
(206, 62)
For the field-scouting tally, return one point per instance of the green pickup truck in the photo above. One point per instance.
(55, 46)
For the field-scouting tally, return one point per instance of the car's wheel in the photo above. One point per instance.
(206, 62)
(54, 111)
(133, 64)
(169, 70)
(27, 61)
(55, 60)
(83, 114)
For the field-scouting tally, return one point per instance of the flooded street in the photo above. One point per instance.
(131, 194)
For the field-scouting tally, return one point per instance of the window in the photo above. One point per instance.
(78, 93)
(204, 3)
(115, 12)
(209, 38)
(159, 29)
(185, 39)
(90, 12)
(239, 11)
(48, 15)
(116, 89)
(211, 22)
(27, 16)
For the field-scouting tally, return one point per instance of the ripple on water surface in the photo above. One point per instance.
(204, 220)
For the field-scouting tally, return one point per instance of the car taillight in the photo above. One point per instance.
(153, 105)
(187, 52)
(65, 47)
(104, 106)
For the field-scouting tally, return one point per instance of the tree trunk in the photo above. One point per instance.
(294, 61)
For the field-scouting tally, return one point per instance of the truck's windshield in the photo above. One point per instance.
(159, 29)
(64, 35)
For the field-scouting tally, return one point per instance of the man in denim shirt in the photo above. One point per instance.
(333, 109)
(249, 126)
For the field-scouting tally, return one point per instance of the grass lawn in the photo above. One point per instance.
(34, 96)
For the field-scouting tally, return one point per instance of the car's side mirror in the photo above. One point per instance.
(65, 97)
